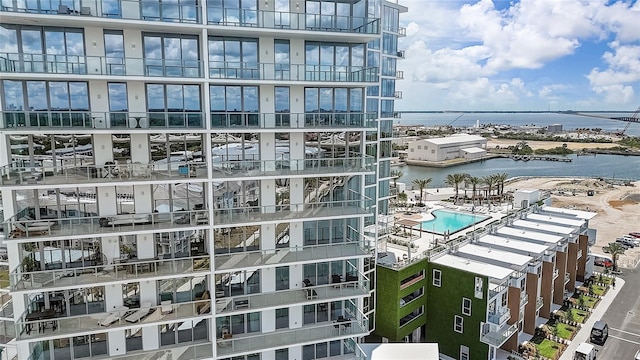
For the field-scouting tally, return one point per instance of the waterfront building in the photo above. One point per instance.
(459, 146)
(193, 180)
(479, 291)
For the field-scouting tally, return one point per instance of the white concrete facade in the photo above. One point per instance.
(123, 115)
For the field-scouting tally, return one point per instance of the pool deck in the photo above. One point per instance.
(424, 240)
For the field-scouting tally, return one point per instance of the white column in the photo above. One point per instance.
(268, 320)
(117, 343)
(110, 246)
(102, 148)
(268, 194)
(107, 199)
(146, 246)
(133, 43)
(295, 352)
(140, 148)
(143, 199)
(112, 296)
(295, 317)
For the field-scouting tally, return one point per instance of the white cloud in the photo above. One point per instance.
(462, 50)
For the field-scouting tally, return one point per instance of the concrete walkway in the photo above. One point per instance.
(598, 312)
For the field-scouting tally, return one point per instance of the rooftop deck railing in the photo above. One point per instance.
(124, 269)
(291, 72)
(283, 168)
(252, 120)
(52, 226)
(178, 121)
(230, 260)
(108, 173)
(292, 20)
(99, 65)
(100, 322)
(180, 11)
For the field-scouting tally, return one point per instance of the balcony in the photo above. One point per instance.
(106, 174)
(180, 11)
(539, 303)
(92, 226)
(49, 325)
(399, 75)
(500, 317)
(288, 255)
(292, 72)
(400, 54)
(567, 278)
(579, 254)
(250, 343)
(23, 63)
(307, 295)
(497, 336)
(84, 120)
(195, 351)
(524, 299)
(397, 94)
(278, 213)
(121, 270)
(402, 31)
(237, 121)
(292, 21)
(286, 168)
(556, 273)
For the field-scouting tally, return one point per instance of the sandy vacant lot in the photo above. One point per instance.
(618, 207)
(576, 146)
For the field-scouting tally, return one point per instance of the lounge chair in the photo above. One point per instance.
(140, 313)
(114, 316)
(166, 308)
(36, 229)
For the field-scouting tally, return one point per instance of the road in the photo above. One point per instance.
(623, 317)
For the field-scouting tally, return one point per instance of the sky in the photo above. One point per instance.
(522, 55)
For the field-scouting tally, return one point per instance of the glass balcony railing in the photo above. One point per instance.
(6, 307)
(124, 269)
(567, 278)
(252, 120)
(579, 254)
(498, 336)
(19, 228)
(181, 11)
(500, 317)
(556, 273)
(237, 345)
(45, 323)
(178, 121)
(313, 294)
(197, 350)
(241, 259)
(524, 299)
(358, 206)
(291, 72)
(539, 303)
(99, 65)
(71, 174)
(291, 20)
(284, 168)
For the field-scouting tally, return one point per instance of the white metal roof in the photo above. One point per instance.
(455, 139)
(405, 351)
(585, 215)
(520, 246)
(507, 257)
(576, 223)
(544, 227)
(527, 234)
(474, 150)
(474, 267)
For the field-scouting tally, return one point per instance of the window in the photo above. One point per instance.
(464, 353)
(478, 287)
(171, 55)
(233, 58)
(238, 12)
(466, 306)
(114, 52)
(173, 105)
(458, 324)
(282, 318)
(282, 278)
(504, 299)
(234, 105)
(437, 277)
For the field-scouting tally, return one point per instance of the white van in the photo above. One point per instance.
(585, 351)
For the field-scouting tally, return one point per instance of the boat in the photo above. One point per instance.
(526, 158)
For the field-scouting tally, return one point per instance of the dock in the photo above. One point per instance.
(538, 157)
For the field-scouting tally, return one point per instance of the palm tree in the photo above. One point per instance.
(490, 181)
(474, 180)
(402, 197)
(500, 179)
(396, 174)
(615, 250)
(421, 184)
(455, 180)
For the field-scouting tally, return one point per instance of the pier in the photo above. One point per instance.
(538, 157)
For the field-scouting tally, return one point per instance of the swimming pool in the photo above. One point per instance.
(450, 221)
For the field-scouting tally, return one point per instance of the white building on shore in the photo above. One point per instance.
(463, 146)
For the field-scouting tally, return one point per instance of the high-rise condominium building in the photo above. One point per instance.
(191, 179)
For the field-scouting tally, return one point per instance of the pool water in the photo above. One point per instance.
(450, 221)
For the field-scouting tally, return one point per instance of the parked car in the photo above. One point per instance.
(603, 262)
(637, 357)
(626, 242)
(634, 240)
(636, 235)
